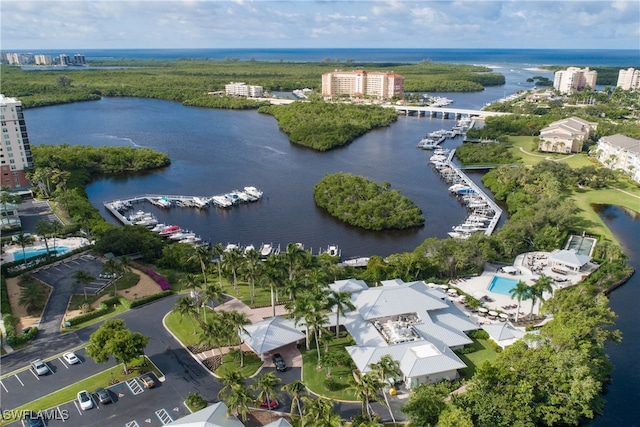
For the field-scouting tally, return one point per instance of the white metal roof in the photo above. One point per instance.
(386, 301)
(211, 416)
(271, 334)
(570, 257)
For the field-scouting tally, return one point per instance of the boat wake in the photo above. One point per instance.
(274, 150)
(119, 138)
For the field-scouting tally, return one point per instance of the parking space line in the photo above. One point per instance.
(135, 386)
(77, 407)
(19, 380)
(50, 370)
(133, 423)
(5, 389)
(62, 361)
(63, 418)
(163, 416)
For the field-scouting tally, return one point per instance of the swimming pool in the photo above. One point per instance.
(502, 285)
(34, 252)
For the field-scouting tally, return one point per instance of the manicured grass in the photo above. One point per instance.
(484, 352)
(314, 378)
(243, 293)
(522, 149)
(183, 328)
(231, 362)
(69, 393)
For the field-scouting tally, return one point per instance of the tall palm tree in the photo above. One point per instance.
(341, 300)
(274, 272)
(316, 319)
(386, 368)
(56, 228)
(520, 292)
(296, 390)
(213, 292)
(544, 284)
(251, 269)
(32, 297)
(299, 308)
(212, 333)
(267, 387)
(113, 269)
(237, 321)
(217, 251)
(235, 394)
(23, 240)
(231, 261)
(184, 306)
(43, 229)
(293, 257)
(82, 277)
(366, 388)
(203, 255)
(319, 412)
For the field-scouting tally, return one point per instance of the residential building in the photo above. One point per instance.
(362, 83)
(620, 152)
(242, 89)
(566, 135)
(417, 325)
(9, 216)
(64, 59)
(629, 79)
(574, 79)
(43, 59)
(15, 151)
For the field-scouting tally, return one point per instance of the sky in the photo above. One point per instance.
(122, 24)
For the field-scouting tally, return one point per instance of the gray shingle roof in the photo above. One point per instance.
(622, 142)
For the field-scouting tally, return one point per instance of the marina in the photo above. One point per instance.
(484, 213)
(433, 139)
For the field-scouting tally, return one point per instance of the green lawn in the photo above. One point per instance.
(183, 328)
(98, 380)
(314, 378)
(522, 149)
(484, 352)
(231, 362)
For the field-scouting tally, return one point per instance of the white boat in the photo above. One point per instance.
(147, 221)
(138, 215)
(253, 191)
(427, 144)
(179, 235)
(191, 240)
(244, 196)
(231, 246)
(437, 158)
(458, 235)
(232, 197)
(441, 151)
(333, 250)
(221, 201)
(266, 249)
(163, 202)
(159, 227)
(249, 248)
(200, 202)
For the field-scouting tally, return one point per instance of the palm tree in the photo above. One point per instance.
(237, 321)
(203, 255)
(82, 277)
(365, 388)
(32, 297)
(296, 390)
(231, 261)
(315, 319)
(184, 306)
(319, 412)
(293, 256)
(212, 332)
(386, 368)
(267, 387)
(43, 229)
(299, 308)
(23, 240)
(213, 292)
(544, 284)
(56, 228)
(234, 393)
(251, 270)
(520, 292)
(217, 251)
(341, 300)
(275, 274)
(113, 269)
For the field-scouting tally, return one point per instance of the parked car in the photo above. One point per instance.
(40, 367)
(85, 400)
(273, 404)
(103, 396)
(71, 358)
(33, 419)
(278, 361)
(147, 381)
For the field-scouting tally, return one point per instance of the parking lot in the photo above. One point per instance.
(132, 405)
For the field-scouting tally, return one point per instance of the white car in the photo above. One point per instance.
(40, 367)
(71, 358)
(84, 399)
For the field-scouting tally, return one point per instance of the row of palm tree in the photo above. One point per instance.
(535, 293)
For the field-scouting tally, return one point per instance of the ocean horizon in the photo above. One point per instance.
(530, 57)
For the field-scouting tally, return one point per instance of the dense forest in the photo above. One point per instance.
(189, 81)
(365, 204)
(322, 126)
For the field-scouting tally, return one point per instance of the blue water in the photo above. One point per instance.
(525, 57)
(502, 285)
(34, 252)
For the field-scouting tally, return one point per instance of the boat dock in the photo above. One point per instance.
(484, 212)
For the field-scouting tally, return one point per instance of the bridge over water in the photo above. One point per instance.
(444, 112)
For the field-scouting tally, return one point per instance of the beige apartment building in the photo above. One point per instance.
(619, 152)
(361, 83)
(15, 151)
(574, 79)
(629, 79)
(566, 135)
(243, 89)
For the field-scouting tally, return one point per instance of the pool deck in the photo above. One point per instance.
(71, 243)
(529, 267)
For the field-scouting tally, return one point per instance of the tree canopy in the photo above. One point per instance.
(114, 339)
(365, 204)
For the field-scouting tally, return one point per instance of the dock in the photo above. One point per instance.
(484, 213)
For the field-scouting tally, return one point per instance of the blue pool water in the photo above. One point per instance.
(34, 252)
(502, 285)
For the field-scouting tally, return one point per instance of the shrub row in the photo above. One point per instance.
(5, 307)
(13, 339)
(144, 300)
(104, 309)
(158, 278)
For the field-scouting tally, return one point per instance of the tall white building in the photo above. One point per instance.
(574, 79)
(361, 83)
(243, 89)
(15, 151)
(629, 79)
(620, 152)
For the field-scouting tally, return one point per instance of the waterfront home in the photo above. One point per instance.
(619, 152)
(566, 135)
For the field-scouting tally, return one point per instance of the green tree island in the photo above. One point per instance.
(366, 204)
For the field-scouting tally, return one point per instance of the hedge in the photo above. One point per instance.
(104, 309)
(158, 278)
(144, 300)
(5, 307)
